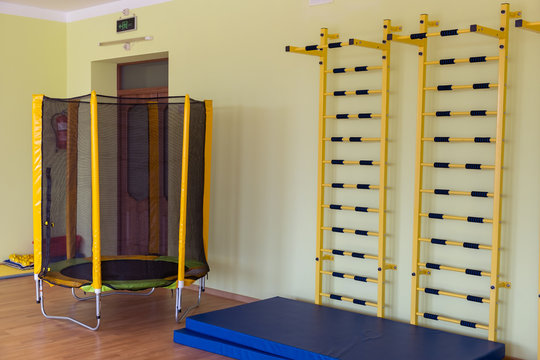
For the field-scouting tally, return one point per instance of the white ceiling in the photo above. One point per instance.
(70, 10)
(60, 5)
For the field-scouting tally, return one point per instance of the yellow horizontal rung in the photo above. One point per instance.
(455, 192)
(472, 60)
(348, 299)
(351, 139)
(472, 298)
(451, 320)
(353, 116)
(533, 26)
(456, 269)
(351, 162)
(352, 186)
(472, 219)
(461, 87)
(352, 92)
(459, 166)
(484, 30)
(350, 253)
(454, 139)
(349, 276)
(352, 208)
(460, 113)
(353, 69)
(368, 44)
(350, 231)
(456, 243)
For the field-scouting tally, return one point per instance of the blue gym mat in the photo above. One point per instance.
(297, 330)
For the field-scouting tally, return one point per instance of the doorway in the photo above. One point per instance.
(142, 198)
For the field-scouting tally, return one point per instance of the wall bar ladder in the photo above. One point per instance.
(420, 267)
(324, 254)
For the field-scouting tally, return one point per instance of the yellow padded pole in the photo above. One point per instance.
(208, 105)
(37, 125)
(183, 195)
(96, 229)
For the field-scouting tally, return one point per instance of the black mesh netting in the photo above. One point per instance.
(140, 170)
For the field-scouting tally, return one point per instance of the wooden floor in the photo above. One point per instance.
(132, 327)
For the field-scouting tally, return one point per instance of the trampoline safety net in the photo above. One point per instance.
(140, 171)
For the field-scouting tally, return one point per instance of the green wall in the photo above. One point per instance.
(262, 237)
(33, 61)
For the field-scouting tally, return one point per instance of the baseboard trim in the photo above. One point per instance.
(223, 294)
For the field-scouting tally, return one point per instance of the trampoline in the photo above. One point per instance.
(124, 182)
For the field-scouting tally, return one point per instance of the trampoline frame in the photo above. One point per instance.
(97, 285)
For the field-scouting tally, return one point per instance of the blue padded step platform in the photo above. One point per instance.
(297, 330)
(221, 347)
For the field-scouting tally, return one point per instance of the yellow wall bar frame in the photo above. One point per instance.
(96, 225)
(208, 105)
(183, 195)
(37, 126)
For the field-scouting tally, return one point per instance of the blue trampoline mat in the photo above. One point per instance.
(298, 330)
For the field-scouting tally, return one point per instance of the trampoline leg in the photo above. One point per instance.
(179, 298)
(148, 293)
(98, 310)
(38, 298)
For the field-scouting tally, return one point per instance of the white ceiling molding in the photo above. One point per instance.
(76, 15)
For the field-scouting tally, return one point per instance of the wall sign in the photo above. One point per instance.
(126, 24)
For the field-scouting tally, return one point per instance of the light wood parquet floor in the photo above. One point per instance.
(132, 327)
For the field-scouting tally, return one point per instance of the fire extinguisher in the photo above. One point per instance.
(59, 124)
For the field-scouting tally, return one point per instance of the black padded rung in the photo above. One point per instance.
(473, 272)
(338, 185)
(361, 232)
(441, 164)
(479, 193)
(334, 45)
(473, 166)
(479, 139)
(358, 255)
(337, 252)
(362, 92)
(342, 116)
(337, 274)
(338, 70)
(366, 162)
(449, 32)
(477, 299)
(431, 316)
(475, 59)
(360, 278)
(335, 297)
(444, 87)
(418, 36)
(519, 23)
(359, 302)
(337, 229)
(438, 241)
(433, 266)
(475, 219)
(447, 61)
(441, 139)
(471, 245)
(362, 186)
(337, 162)
(431, 291)
(467, 324)
(336, 138)
(361, 209)
(311, 47)
(481, 86)
(339, 93)
(435, 216)
(441, 191)
(478, 112)
(335, 207)
(360, 68)
(442, 113)
(364, 116)
(355, 139)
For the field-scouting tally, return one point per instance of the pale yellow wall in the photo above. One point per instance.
(262, 237)
(33, 61)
